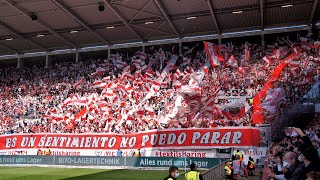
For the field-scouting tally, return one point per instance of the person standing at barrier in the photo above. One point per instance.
(39, 152)
(193, 174)
(48, 152)
(119, 153)
(251, 166)
(239, 169)
(239, 153)
(137, 153)
(173, 173)
(228, 170)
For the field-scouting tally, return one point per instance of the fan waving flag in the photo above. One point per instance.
(79, 83)
(211, 54)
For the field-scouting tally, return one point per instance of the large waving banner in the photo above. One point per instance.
(258, 117)
(161, 139)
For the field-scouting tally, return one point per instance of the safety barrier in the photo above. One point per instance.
(215, 173)
(102, 161)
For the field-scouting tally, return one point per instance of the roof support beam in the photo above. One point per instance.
(41, 23)
(262, 13)
(213, 16)
(136, 10)
(79, 20)
(314, 6)
(156, 29)
(152, 29)
(9, 48)
(141, 11)
(15, 33)
(164, 12)
(117, 13)
(163, 41)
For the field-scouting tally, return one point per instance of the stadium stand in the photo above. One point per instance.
(159, 90)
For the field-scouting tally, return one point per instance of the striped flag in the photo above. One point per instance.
(209, 47)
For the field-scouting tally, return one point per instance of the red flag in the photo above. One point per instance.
(81, 113)
(79, 83)
(246, 53)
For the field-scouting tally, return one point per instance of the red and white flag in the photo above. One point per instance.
(211, 54)
(232, 61)
(268, 61)
(294, 64)
(99, 72)
(156, 85)
(79, 83)
(241, 70)
(295, 72)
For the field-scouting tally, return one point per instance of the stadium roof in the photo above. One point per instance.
(74, 24)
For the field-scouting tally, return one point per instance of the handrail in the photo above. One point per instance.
(215, 173)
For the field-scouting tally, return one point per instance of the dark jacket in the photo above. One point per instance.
(295, 172)
(312, 167)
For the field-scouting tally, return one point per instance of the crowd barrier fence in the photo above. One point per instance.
(215, 173)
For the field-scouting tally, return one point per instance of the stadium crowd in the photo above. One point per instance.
(156, 90)
(296, 156)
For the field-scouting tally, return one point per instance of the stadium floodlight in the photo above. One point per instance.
(110, 27)
(288, 5)
(191, 17)
(149, 22)
(237, 12)
(9, 39)
(73, 31)
(40, 35)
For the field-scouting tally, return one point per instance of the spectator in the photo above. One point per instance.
(313, 176)
(239, 169)
(277, 168)
(48, 152)
(251, 166)
(119, 153)
(137, 153)
(228, 170)
(310, 159)
(291, 168)
(39, 152)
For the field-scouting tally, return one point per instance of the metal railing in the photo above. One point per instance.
(215, 173)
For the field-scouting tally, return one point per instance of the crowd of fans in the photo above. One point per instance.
(157, 90)
(296, 156)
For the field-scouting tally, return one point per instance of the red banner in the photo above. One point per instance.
(177, 139)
